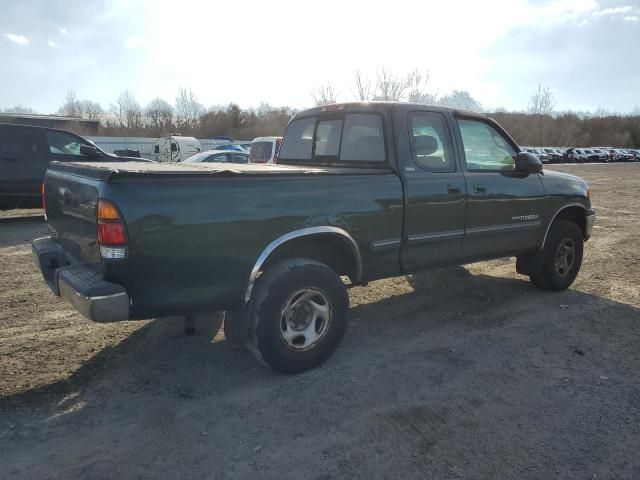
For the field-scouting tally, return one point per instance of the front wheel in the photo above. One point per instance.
(561, 258)
(299, 315)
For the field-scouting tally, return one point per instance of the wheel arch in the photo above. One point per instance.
(330, 245)
(574, 212)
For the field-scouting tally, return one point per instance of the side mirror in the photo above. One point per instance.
(91, 152)
(528, 163)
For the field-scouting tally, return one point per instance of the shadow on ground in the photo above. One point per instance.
(467, 376)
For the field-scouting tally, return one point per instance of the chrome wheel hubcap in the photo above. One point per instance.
(305, 319)
(565, 256)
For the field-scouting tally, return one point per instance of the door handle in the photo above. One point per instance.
(11, 159)
(479, 189)
(453, 189)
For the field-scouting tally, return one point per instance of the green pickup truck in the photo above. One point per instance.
(360, 191)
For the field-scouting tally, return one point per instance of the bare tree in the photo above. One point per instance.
(71, 106)
(389, 87)
(90, 110)
(541, 104)
(159, 113)
(416, 85)
(325, 94)
(18, 109)
(188, 109)
(460, 99)
(363, 87)
(127, 110)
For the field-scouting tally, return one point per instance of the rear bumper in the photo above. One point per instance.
(590, 222)
(79, 284)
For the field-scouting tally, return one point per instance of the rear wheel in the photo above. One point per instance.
(299, 315)
(559, 262)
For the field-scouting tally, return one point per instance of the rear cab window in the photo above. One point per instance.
(341, 139)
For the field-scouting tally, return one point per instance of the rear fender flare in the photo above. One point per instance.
(303, 232)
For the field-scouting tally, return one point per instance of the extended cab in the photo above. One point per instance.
(361, 191)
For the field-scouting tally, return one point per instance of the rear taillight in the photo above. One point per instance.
(111, 233)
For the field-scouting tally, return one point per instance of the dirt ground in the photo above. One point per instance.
(457, 373)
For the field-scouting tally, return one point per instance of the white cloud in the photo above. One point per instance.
(52, 44)
(584, 22)
(19, 39)
(631, 18)
(63, 30)
(133, 42)
(613, 11)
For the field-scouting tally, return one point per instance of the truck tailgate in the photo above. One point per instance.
(71, 198)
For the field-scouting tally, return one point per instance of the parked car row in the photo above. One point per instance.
(584, 155)
(178, 148)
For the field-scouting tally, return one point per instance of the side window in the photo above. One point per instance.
(485, 148)
(23, 144)
(174, 147)
(327, 141)
(430, 142)
(237, 158)
(297, 141)
(362, 139)
(61, 143)
(222, 157)
(156, 149)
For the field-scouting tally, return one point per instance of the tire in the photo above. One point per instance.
(299, 315)
(559, 262)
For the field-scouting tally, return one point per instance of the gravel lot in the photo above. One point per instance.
(457, 373)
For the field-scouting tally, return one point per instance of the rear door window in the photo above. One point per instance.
(430, 142)
(23, 144)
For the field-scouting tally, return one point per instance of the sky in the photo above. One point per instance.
(276, 52)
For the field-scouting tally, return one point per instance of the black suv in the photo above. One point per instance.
(25, 153)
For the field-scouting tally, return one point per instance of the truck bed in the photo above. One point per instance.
(199, 229)
(105, 171)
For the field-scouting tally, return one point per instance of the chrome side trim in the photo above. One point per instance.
(427, 237)
(572, 204)
(384, 244)
(502, 228)
(303, 232)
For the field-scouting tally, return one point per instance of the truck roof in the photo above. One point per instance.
(375, 106)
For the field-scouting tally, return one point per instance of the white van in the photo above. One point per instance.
(175, 148)
(265, 149)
